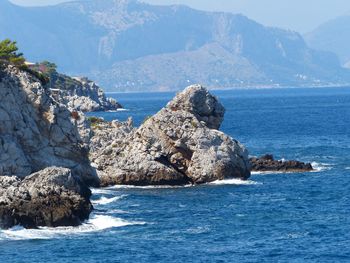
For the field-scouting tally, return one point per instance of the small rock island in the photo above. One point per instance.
(179, 145)
(267, 163)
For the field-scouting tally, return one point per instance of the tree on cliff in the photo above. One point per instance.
(9, 54)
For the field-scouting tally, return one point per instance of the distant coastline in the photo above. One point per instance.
(247, 88)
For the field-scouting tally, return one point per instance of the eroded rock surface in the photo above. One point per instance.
(178, 145)
(82, 94)
(267, 163)
(38, 132)
(52, 197)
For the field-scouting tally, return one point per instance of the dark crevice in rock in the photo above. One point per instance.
(165, 161)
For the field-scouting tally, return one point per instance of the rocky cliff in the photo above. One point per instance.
(38, 132)
(44, 146)
(334, 36)
(181, 144)
(81, 94)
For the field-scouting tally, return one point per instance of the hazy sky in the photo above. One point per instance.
(299, 15)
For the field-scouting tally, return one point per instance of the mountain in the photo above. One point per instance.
(333, 36)
(130, 45)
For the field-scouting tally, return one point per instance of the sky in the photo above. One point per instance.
(298, 15)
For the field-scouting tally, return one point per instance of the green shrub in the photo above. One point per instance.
(95, 122)
(9, 55)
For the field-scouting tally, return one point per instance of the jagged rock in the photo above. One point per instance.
(82, 94)
(52, 197)
(267, 163)
(178, 145)
(37, 132)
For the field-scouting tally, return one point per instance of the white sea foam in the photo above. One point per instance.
(271, 172)
(320, 167)
(347, 168)
(94, 224)
(118, 110)
(148, 186)
(218, 182)
(234, 182)
(104, 200)
(102, 191)
(266, 172)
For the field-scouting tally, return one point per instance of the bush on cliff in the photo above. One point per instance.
(9, 54)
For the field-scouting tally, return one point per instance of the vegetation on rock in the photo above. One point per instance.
(9, 53)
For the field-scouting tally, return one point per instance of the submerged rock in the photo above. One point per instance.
(52, 197)
(37, 132)
(267, 163)
(178, 145)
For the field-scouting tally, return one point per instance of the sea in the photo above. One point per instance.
(272, 217)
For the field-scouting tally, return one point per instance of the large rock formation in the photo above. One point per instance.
(181, 144)
(81, 94)
(37, 132)
(52, 197)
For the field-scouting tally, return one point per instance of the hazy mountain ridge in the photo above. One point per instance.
(334, 36)
(129, 45)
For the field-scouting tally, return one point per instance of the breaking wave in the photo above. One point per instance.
(234, 182)
(320, 167)
(148, 187)
(104, 200)
(94, 224)
(121, 109)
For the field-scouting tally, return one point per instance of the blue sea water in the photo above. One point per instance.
(300, 217)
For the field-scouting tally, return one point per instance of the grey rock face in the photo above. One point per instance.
(37, 132)
(82, 94)
(52, 197)
(178, 145)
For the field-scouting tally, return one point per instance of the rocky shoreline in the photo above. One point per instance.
(50, 153)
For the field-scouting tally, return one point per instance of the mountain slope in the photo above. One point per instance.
(130, 45)
(333, 36)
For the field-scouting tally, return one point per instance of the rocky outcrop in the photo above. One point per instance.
(267, 163)
(37, 132)
(52, 197)
(81, 94)
(181, 144)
